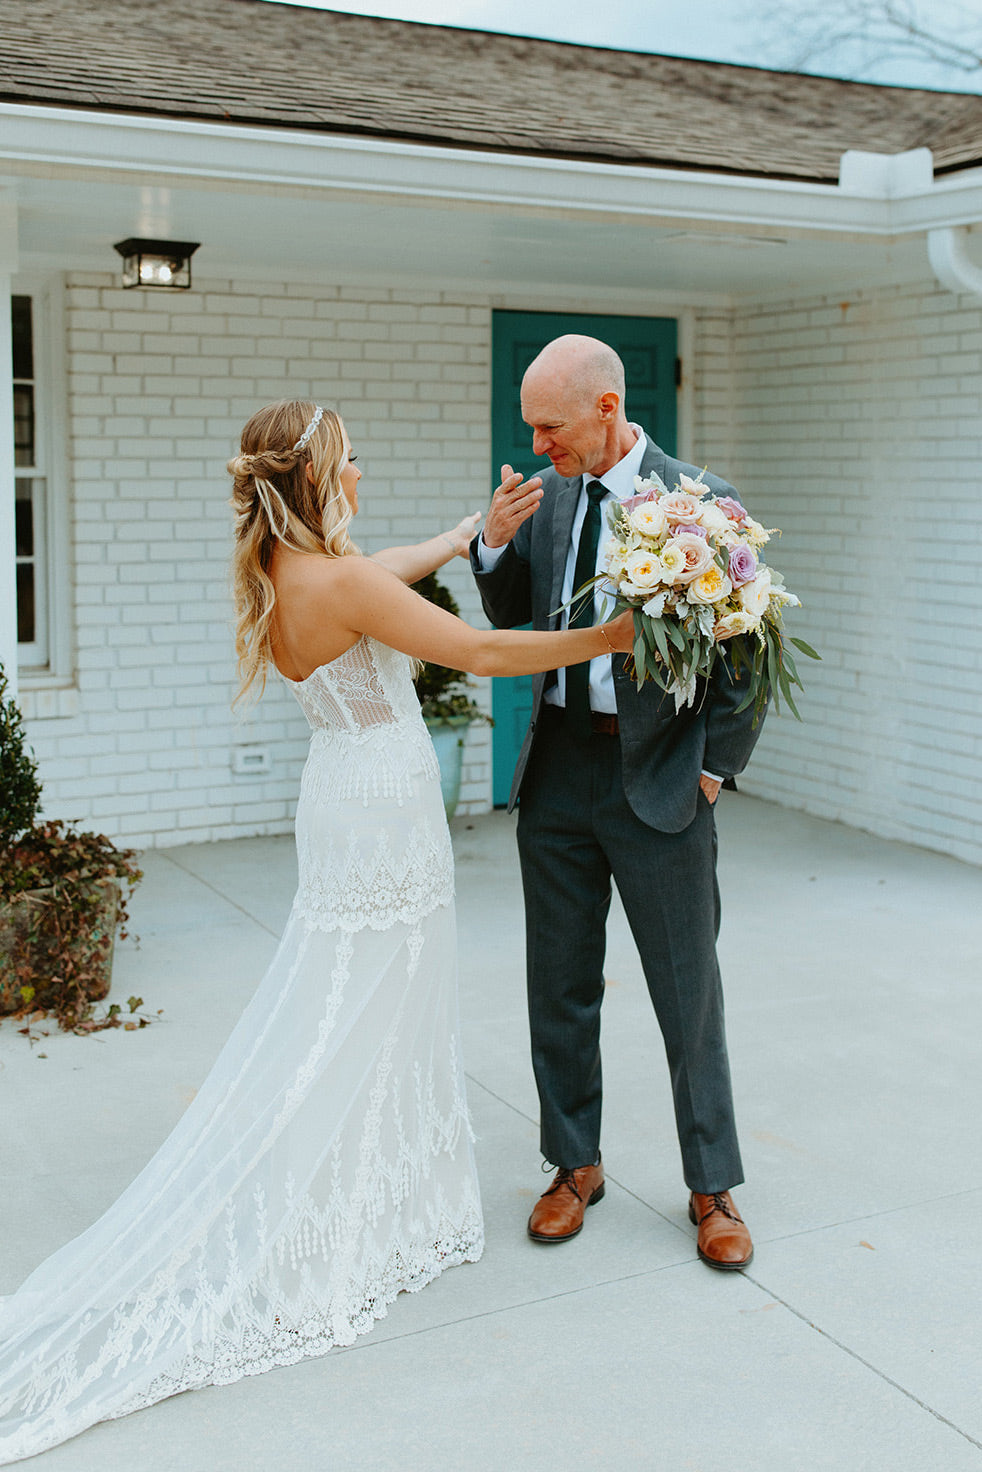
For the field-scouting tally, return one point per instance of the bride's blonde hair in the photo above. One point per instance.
(274, 500)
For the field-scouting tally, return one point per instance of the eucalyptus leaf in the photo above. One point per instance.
(805, 648)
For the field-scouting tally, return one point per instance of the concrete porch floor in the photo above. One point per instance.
(853, 1342)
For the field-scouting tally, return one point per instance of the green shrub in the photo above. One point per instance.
(20, 790)
(443, 692)
(63, 896)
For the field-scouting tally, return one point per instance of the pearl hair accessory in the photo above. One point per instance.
(302, 441)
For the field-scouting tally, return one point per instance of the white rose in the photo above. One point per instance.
(754, 597)
(715, 520)
(649, 519)
(644, 569)
(710, 586)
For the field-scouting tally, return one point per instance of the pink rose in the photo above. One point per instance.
(698, 556)
(743, 565)
(732, 508)
(680, 506)
(632, 501)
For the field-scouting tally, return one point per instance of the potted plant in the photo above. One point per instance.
(63, 896)
(447, 708)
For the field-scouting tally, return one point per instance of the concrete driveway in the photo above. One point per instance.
(854, 1341)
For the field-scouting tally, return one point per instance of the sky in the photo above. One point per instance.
(765, 33)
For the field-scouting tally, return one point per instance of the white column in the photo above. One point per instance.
(8, 564)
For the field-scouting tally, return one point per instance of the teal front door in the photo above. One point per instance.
(647, 346)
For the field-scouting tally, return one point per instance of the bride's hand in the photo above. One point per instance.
(461, 536)
(620, 631)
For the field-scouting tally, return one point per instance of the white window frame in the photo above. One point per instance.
(49, 660)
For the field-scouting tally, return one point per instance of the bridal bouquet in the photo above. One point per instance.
(691, 566)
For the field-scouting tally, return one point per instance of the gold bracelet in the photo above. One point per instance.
(606, 640)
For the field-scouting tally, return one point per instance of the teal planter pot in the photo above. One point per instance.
(448, 743)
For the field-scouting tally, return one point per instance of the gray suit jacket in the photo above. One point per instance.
(663, 752)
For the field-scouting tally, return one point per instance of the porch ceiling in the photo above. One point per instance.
(72, 224)
(360, 212)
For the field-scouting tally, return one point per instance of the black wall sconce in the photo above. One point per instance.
(157, 263)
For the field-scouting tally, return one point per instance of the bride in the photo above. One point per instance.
(325, 1164)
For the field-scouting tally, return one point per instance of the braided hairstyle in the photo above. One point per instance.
(274, 500)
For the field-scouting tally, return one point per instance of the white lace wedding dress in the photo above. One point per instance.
(326, 1163)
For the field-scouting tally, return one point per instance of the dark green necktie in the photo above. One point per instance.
(582, 612)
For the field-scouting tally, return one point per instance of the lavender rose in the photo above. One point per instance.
(691, 530)
(743, 565)
(732, 507)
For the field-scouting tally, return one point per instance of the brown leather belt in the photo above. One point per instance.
(602, 724)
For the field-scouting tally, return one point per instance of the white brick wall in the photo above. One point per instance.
(837, 420)
(159, 388)
(856, 426)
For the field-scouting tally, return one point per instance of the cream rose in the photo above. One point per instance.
(644, 569)
(715, 520)
(680, 506)
(697, 553)
(710, 586)
(754, 597)
(649, 519)
(734, 623)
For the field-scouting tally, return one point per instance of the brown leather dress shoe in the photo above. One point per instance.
(558, 1213)
(724, 1241)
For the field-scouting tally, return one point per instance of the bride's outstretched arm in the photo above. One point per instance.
(415, 561)
(344, 597)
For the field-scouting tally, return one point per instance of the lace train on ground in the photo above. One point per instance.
(325, 1165)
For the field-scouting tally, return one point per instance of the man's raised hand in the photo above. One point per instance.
(512, 503)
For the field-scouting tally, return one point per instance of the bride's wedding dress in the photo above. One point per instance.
(325, 1164)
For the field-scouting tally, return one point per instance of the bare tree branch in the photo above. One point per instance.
(858, 36)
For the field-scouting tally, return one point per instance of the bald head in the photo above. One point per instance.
(573, 400)
(581, 368)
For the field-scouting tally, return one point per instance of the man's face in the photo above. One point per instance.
(567, 428)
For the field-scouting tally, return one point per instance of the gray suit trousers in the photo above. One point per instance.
(576, 830)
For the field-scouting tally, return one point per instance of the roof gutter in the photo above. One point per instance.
(908, 175)
(947, 250)
(878, 195)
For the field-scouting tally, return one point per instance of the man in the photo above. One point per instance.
(613, 782)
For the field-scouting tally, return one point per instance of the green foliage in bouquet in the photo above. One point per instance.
(442, 692)
(691, 566)
(674, 654)
(63, 895)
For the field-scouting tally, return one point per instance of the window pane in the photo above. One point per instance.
(26, 621)
(23, 424)
(24, 513)
(23, 335)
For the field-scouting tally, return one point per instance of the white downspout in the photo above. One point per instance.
(947, 250)
(8, 546)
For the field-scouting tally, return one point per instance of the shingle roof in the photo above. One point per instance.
(246, 61)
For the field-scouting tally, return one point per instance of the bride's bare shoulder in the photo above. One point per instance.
(317, 573)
